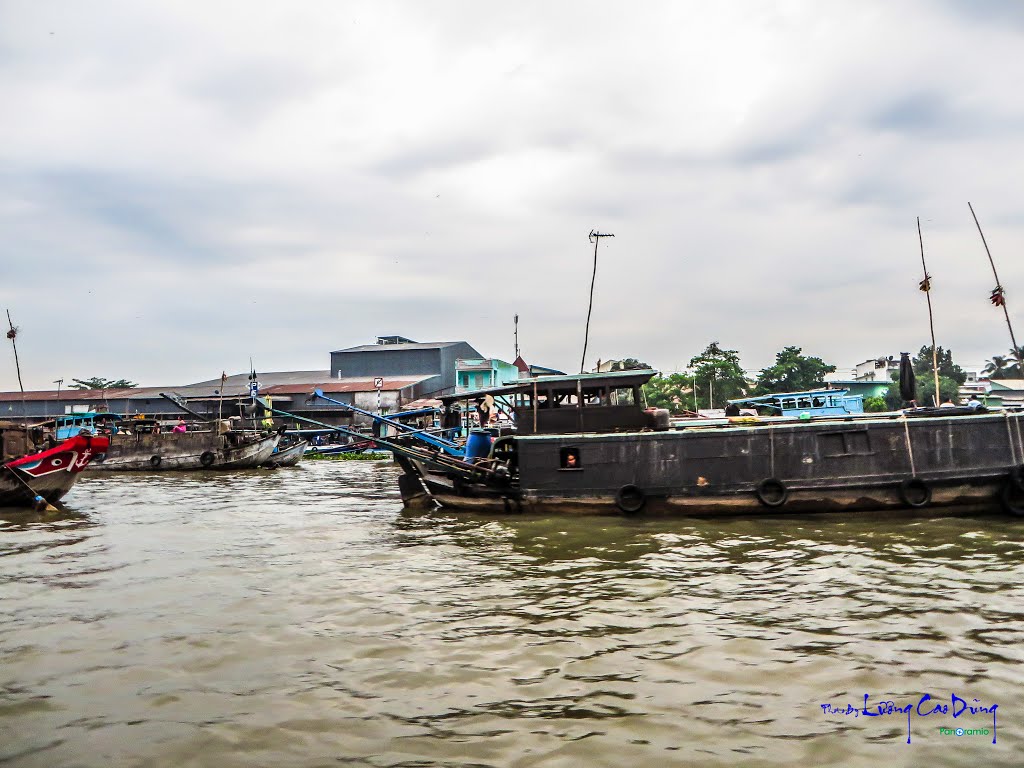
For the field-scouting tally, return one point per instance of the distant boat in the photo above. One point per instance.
(47, 473)
(288, 456)
(140, 445)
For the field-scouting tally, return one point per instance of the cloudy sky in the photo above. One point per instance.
(184, 185)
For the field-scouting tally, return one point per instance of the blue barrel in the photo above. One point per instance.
(478, 446)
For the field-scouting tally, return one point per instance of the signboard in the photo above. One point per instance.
(378, 383)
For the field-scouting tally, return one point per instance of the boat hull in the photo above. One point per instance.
(288, 457)
(185, 451)
(965, 464)
(50, 473)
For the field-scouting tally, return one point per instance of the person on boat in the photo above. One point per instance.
(181, 426)
(571, 461)
(483, 411)
(947, 403)
(732, 410)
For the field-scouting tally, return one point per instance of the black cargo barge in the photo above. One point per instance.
(585, 444)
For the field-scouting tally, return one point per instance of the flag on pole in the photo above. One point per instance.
(997, 297)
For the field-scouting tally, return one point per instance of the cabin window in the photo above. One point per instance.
(569, 458)
(804, 402)
(622, 396)
(849, 443)
(818, 402)
(788, 405)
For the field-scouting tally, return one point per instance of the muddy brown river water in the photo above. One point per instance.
(300, 617)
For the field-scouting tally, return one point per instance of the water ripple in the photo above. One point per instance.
(301, 617)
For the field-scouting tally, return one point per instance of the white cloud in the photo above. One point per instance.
(187, 184)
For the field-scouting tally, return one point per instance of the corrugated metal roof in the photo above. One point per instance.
(236, 386)
(399, 347)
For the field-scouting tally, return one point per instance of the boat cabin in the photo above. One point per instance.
(95, 423)
(15, 440)
(819, 402)
(600, 402)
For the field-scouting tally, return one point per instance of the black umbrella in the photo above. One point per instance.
(908, 386)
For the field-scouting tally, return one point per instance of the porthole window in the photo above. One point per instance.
(569, 458)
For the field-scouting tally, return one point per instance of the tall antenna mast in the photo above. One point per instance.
(998, 295)
(595, 238)
(515, 321)
(926, 286)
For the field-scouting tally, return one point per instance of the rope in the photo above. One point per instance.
(1009, 435)
(910, 449)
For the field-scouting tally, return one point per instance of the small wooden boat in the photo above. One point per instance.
(138, 447)
(37, 477)
(288, 456)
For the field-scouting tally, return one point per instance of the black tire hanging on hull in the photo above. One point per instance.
(630, 499)
(772, 492)
(914, 492)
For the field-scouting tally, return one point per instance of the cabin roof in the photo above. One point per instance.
(562, 383)
(776, 395)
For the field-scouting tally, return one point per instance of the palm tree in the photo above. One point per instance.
(996, 367)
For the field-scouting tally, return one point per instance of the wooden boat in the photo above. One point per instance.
(288, 456)
(585, 444)
(137, 446)
(30, 476)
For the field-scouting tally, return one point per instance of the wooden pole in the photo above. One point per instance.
(37, 500)
(926, 286)
(998, 296)
(595, 236)
(12, 335)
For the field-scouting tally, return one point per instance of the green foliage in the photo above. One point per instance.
(998, 367)
(947, 368)
(100, 383)
(875, 405)
(313, 456)
(1005, 367)
(792, 372)
(629, 364)
(948, 390)
(717, 370)
(674, 392)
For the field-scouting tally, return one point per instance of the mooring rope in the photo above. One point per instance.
(1009, 435)
(910, 449)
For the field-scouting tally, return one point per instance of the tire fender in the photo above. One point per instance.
(206, 458)
(914, 492)
(630, 499)
(772, 492)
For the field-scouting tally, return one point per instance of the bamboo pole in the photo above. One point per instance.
(596, 237)
(998, 296)
(12, 335)
(926, 286)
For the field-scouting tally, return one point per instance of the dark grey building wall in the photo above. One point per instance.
(385, 362)
(390, 362)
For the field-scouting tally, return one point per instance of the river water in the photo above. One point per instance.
(300, 617)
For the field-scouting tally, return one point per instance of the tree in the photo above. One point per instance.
(997, 367)
(949, 369)
(948, 390)
(717, 371)
(100, 383)
(875, 404)
(673, 392)
(951, 376)
(792, 372)
(629, 364)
